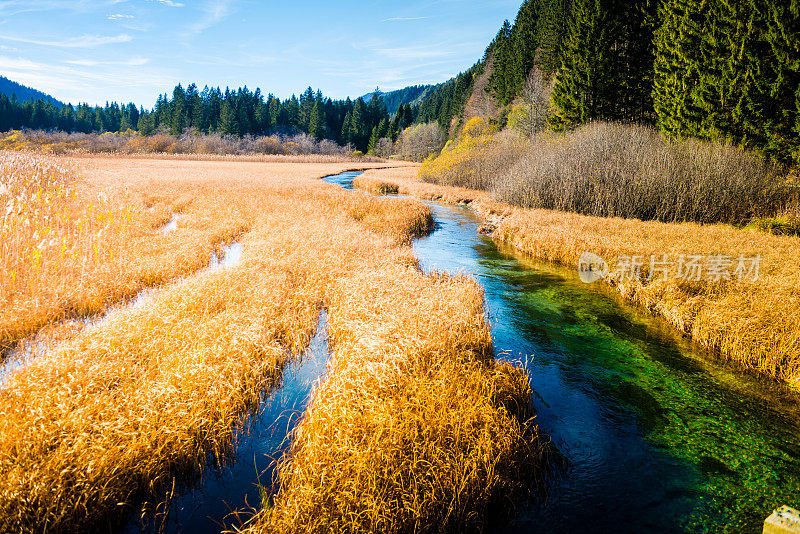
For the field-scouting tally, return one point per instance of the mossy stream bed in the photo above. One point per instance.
(659, 435)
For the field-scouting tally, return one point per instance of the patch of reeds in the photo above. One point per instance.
(416, 427)
(71, 249)
(106, 423)
(376, 187)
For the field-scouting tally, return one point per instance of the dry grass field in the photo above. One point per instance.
(120, 412)
(753, 323)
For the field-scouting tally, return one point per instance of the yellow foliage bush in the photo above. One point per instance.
(477, 127)
(473, 160)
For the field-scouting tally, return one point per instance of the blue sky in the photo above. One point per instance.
(132, 50)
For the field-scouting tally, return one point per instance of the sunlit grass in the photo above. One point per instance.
(71, 248)
(752, 323)
(116, 416)
(416, 427)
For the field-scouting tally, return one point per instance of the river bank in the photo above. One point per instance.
(753, 322)
(658, 433)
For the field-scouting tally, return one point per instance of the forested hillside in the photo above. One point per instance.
(718, 70)
(24, 94)
(448, 99)
(412, 95)
(240, 112)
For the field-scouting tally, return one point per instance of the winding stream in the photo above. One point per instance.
(659, 437)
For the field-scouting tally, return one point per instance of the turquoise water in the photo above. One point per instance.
(658, 435)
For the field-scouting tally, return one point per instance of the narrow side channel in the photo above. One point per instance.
(40, 344)
(226, 497)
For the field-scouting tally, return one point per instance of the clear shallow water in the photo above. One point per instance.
(208, 506)
(172, 224)
(344, 179)
(658, 436)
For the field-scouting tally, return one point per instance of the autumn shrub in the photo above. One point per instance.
(617, 170)
(474, 161)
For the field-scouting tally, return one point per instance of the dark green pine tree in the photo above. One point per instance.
(500, 54)
(347, 126)
(677, 67)
(373, 140)
(293, 113)
(781, 127)
(227, 118)
(637, 22)
(316, 125)
(178, 120)
(585, 86)
(550, 28)
(358, 125)
(524, 43)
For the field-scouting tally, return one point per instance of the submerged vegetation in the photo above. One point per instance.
(752, 323)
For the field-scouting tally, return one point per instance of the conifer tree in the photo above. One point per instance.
(317, 123)
(584, 88)
(677, 67)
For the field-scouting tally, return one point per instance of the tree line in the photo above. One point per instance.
(233, 112)
(719, 69)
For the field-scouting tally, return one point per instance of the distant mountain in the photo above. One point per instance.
(8, 88)
(413, 95)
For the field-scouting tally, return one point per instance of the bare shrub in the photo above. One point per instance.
(421, 140)
(616, 170)
(384, 148)
(191, 142)
(530, 116)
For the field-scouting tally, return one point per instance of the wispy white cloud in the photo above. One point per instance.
(214, 11)
(84, 41)
(9, 8)
(403, 19)
(120, 16)
(72, 83)
(170, 3)
(132, 62)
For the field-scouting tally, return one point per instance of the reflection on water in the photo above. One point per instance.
(172, 224)
(659, 436)
(231, 255)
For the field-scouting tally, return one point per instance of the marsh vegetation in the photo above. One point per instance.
(115, 417)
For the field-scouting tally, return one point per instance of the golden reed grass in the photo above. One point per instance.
(754, 324)
(416, 428)
(70, 248)
(112, 418)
